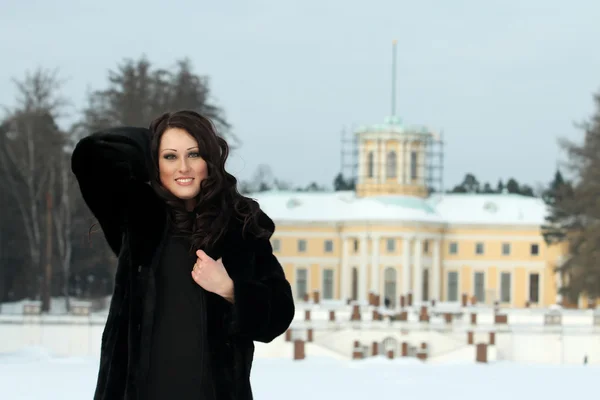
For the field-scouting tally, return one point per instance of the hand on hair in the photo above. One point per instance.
(212, 276)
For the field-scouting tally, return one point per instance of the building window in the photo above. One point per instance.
(534, 288)
(426, 246)
(327, 284)
(413, 165)
(425, 285)
(356, 245)
(301, 283)
(505, 287)
(389, 287)
(370, 165)
(301, 246)
(452, 286)
(355, 283)
(453, 248)
(535, 249)
(391, 245)
(328, 246)
(480, 287)
(276, 245)
(505, 249)
(479, 248)
(391, 165)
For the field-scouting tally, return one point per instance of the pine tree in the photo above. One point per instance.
(574, 217)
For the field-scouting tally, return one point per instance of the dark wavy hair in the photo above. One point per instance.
(218, 201)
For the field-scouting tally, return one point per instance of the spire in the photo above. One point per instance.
(394, 42)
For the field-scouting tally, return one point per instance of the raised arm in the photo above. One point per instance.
(107, 164)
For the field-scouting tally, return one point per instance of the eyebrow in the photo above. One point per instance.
(195, 147)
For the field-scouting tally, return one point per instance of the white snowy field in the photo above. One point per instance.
(34, 374)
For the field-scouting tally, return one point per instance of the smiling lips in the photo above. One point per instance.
(184, 181)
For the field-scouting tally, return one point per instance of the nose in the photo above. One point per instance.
(184, 166)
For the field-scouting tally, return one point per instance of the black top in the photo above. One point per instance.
(179, 365)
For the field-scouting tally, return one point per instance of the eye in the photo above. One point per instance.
(194, 154)
(169, 156)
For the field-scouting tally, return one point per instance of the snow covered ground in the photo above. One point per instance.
(35, 374)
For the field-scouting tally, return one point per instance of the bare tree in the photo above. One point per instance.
(30, 143)
(63, 222)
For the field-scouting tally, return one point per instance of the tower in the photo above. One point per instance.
(395, 159)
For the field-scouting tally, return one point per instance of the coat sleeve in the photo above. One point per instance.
(107, 164)
(263, 306)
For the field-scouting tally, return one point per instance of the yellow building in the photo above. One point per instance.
(391, 238)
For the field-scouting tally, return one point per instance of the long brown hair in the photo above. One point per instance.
(218, 200)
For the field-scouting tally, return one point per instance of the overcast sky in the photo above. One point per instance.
(502, 78)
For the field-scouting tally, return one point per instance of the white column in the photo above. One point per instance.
(418, 273)
(362, 271)
(436, 267)
(405, 265)
(400, 163)
(375, 264)
(362, 161)
(345, 271)
(406, 166)
(382, 161)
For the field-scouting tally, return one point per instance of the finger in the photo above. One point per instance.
(202, 255)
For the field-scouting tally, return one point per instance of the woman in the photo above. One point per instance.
(196, 281)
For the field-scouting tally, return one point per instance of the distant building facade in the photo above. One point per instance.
(391, 237)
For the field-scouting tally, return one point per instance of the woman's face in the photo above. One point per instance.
(180, 166)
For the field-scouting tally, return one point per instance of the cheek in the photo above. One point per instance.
(164, 173)
(202, 169)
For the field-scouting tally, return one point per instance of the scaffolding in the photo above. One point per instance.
(390, 158)
(383, 170)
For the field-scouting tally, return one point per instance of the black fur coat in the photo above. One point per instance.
(112, 171)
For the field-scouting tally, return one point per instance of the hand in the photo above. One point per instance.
(212, 276)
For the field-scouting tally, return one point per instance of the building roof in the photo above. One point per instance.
(452, 208)
(393, 125)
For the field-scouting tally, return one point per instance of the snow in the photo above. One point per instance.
(340, 206)
(33, 373)
(452, 208)
(497, 209)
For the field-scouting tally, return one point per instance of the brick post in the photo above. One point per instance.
(376, 315)
(403, 316)
(299, 350)
(375, 349)
(492, 338)
(357, 352)
(355, 313)
(404, 349)
(331, 315)
(481, 353)
(470, 337)
(448, 318)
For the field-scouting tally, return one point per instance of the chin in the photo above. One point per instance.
(185, 194)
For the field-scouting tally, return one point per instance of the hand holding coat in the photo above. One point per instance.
(212, 276)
